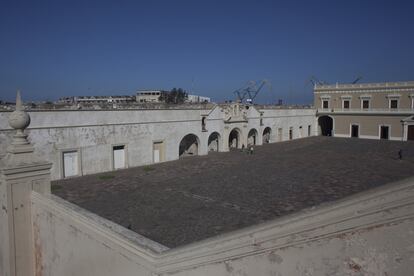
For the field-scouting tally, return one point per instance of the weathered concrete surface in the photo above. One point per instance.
(368, 234)
(180, 202)
(93, 132)
(70, 241)
(379, 251)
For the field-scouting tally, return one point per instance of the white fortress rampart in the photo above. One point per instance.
(92, 141)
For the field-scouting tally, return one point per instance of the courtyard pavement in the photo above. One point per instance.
(179, 202)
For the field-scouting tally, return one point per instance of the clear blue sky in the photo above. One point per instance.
(50, 49)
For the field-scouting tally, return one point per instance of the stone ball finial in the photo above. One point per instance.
(19, 119)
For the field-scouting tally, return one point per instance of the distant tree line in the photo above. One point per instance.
(175, 96)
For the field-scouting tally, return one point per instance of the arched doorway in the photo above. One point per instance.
(214, 141)
(326, 125)
(189, 145)
(266, 135)
(234, 139)
(252, 137)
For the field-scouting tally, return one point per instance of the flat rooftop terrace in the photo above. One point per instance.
(179, 202)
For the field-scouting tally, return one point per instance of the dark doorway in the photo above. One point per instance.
(385, 132)
(355, 131)
(410, 133)
(326, 125)
(234, 139)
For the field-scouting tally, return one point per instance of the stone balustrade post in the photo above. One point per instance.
(21, 172)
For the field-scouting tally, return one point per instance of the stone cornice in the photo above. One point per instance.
(367, 112)
(363, 86)
(369, 90)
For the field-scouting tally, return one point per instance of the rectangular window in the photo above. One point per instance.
(309, 130)
(325, 104)
(394, 104)
(365, 104)
(290, 133)
(346, 104)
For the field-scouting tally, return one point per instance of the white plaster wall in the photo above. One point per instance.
(93, 133)
(71, 241)
(4, 229)
(286, 118)
(381, 251)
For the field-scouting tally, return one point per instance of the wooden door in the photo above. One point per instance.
(70, 163)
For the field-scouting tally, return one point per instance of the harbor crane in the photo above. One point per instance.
(315, 81)
(357, 79)
(250, 91)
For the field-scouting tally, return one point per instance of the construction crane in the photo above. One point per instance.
(250, 91)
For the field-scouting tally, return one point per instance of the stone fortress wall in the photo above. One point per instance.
(93, 134)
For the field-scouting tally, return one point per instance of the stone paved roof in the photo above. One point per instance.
(179, 202)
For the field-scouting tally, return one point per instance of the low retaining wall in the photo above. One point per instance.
(71, 241)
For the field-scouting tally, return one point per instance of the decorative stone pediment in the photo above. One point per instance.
(408, 119)
(235, 113)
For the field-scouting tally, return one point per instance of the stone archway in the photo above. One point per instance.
(189, 145)
(326, 125)
(214, 142)
(266, 135)
(252, 137)
(235, 139)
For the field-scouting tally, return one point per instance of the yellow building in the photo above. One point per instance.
(369, 110)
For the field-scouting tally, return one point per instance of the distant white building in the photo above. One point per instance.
(148, 96)
(197, 99)
(96, 99)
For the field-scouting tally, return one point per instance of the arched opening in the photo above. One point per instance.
(266, 135)
(252, 137)
(234, 139)
(214, 142)
(203, 124)
(326, 125)
(189, 145)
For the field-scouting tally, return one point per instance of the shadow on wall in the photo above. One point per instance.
(266, 135)
(252, 137)
(214, 141)
(189, 145)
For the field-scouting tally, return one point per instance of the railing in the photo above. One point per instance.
(369, 110)
(365, 85)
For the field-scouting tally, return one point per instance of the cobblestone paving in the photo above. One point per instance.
(179, 202)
